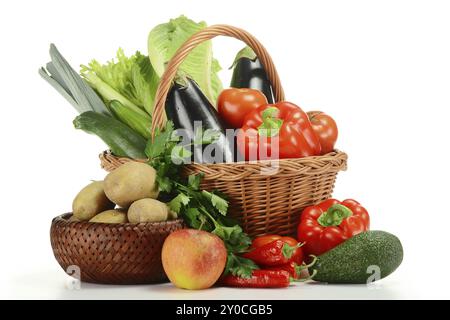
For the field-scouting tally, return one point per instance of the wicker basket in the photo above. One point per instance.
(112, 253)
(265, 204)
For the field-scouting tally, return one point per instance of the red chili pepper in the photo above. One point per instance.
(262, 240)
(277, 131)
(274, 253)
(260, 279)
(297, 256)
(294, 268)
(324, 226)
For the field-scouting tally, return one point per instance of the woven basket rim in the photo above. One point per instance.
(64, 218)
(333, 154)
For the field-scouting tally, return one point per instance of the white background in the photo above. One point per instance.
(380, 68)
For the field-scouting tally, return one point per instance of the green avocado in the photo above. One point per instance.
(364, 258)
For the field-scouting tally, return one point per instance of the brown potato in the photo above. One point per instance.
(130, 182)
(172, 215)
(73, 219)
(90, 201)
(148, 210)
(111, 216)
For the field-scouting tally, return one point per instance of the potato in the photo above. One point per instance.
(90, 201)
(172, 215)
(73, 219)
(148, 210)
(111, 216)
(130, 182)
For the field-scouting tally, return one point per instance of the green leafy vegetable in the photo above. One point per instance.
(166, 38)
(176, 203)
(200, 209)
(220, 204)
(129, 80)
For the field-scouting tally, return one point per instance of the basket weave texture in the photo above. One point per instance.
(112, 253)
(264, 204)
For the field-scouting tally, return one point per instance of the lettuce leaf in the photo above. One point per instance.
(166, 38)
(129, 80)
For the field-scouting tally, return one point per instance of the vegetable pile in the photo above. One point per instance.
(115, 101)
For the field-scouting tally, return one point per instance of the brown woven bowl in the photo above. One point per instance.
(123, 253)
(265, 204)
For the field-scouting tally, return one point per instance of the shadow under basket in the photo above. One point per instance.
(122, 253)
(266, 197)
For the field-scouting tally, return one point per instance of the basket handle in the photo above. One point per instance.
(208, 33)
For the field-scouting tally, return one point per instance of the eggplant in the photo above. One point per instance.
(189, 109)
(248, 72)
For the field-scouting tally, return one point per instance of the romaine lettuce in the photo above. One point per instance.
(166, 38)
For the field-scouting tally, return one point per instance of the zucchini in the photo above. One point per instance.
(136, 121)
(366, 257)
(121, 139)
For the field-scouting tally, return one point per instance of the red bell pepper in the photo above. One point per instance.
(277, 131)
(274, 253)
(327, 224)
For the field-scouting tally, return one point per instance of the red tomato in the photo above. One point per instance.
(325, 128)
(234, 104)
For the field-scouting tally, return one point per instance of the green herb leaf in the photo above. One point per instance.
(194, 181)
(180, 154)
(196, 220)
(239, 266)
(164, 184)
(219, 203)
(210, 136)
(178, 202)
(158, 146)
(200, 209)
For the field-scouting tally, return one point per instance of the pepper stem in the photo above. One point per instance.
(300, 268)
(271, 124)
(305, 279)
(288, 250)
(334, 215)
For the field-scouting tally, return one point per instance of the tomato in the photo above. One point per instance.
(325, 128)
(234, 104)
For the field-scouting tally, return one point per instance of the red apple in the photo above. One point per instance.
(193, 259)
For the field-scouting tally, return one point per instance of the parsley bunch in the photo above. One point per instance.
(200, 209)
